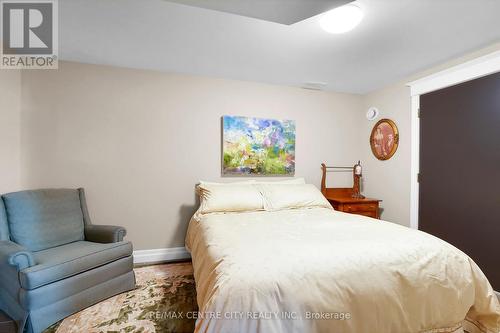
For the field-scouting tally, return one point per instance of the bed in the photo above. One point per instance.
(292, 264)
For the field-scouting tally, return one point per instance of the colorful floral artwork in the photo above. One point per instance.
(256, 146)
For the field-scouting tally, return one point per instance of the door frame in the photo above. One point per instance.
(470, 70)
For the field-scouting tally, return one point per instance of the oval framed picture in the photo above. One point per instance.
(384, 139)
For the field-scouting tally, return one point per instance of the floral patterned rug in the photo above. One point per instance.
(163, 302)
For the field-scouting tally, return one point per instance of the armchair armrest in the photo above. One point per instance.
(15, 255)
(104, 233)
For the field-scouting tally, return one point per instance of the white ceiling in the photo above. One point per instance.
(279, 11)
(396, 39)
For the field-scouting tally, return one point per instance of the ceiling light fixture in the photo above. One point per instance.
(341, 19)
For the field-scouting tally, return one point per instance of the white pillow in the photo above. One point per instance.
(287, 181)
(243, 182)
(229, 198)
(282, 196)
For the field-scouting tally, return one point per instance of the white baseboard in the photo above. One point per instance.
(160, 255)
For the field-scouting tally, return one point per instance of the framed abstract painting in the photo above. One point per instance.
(257, 146)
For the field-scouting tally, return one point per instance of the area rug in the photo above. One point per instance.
(163, 302)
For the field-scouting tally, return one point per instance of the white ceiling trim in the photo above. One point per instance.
(467, 71)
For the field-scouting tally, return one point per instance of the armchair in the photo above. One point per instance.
(54, 261)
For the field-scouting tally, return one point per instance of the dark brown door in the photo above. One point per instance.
(460, 169)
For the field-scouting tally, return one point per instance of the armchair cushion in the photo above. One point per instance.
(61, 262)
(104, 233)
(15, 255)
(42, 219)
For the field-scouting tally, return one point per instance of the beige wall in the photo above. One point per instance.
(10, 108)
(390, 180)
(139, 141)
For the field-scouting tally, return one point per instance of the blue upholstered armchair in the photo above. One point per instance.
(54, 261)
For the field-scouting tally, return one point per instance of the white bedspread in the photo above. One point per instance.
(317, 270)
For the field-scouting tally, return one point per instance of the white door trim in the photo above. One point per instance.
(415, 160)
(467, 71)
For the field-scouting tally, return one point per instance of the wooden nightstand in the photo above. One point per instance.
(366, 207)
(347, 199)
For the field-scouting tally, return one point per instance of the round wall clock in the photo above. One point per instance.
(384, 139)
